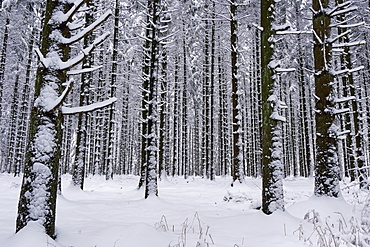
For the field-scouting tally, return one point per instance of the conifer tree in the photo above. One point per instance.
(38, 194)
(327, 170)
(272, 167)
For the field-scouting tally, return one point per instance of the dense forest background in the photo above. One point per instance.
(194, 95)
(202, 115)
(267, 89)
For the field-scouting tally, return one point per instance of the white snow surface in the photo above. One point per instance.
(193, 212)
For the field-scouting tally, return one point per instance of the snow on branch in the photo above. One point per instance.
(349, 44)
(85, 52)
(340, 111)
(88, 108)
(282, 27)
(277, 104)
(257, 26)
(344, 99)
(342, 22)
(344, 11)
(167, 37)
(340, 6)
(331, 40)
(81, 71)
(351, 25)
(282, 70)
(87, 30)
(317, 37)
(276, 116)
(345, 71)
(75, 25)
(45, 62)
(52, 106)
(60, 17)
(293, 32)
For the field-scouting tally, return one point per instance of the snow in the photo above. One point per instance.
(59, 37)
(193, 212)
(88, 108)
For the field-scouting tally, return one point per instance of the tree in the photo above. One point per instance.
(38, 195)
(150, 83)
(327, 170)
(272, 167)
(237, 154)
(82, 124)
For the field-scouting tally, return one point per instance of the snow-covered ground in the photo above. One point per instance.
(191, 213)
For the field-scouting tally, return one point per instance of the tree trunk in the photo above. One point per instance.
(40, 179)
(272, 167)
(152, 56)
(327, 170)
(237, 155)
(78, 172)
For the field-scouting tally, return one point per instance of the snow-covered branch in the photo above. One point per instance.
(344, 99)
(345, 71)
(81, 71)
(88, 108)
(60, 17)
(349, 44)
(344, 11)
(339, 7)
(45, 62)
(52, 106)
(340, 111)
(282, 70)
(339, 36)
(293, 32)
(87, 30)
(317, 37)
(85, 52)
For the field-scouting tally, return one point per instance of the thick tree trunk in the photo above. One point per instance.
(38, 195)
(272, 167)
(327, 170)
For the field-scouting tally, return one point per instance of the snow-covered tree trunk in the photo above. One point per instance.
(78, 172)
(237, 142)
(154, 9)
(327, 170)
(212, 170)
(176, 118)
(351, 89)
(113, 88)
(272, 166)
(3, 55)
(185, 102)
(163, 154)
(37, 200)
(38, 195)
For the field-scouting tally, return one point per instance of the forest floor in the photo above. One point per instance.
(191, 213)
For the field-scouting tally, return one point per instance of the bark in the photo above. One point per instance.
(113, 87)
(327, 170)
(152, 54)
(78, 173)
(42, 163)
(185, 134)
(237, 155)
(272, 167)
